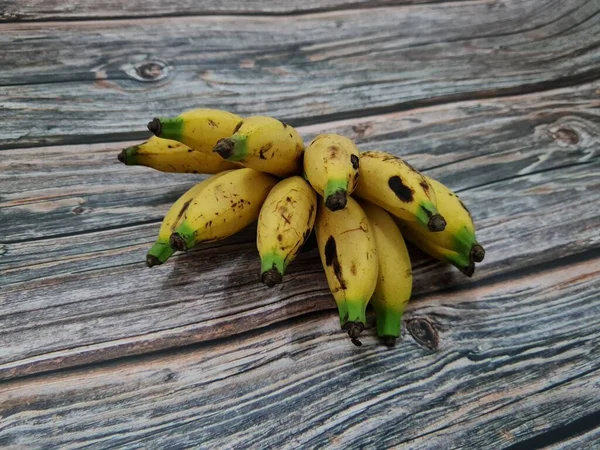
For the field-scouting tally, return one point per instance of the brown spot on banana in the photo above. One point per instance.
(354, 161)
(265, 148)
(238, 126)
(403, 192)
(212, 123)
(184, 208)
(331, 260)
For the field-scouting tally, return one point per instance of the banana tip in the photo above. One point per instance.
(224, 148)
(152, 261)
(177, 242)
(155, 126)
(477, 253)
(271, 277)
(122, 157)
(436, 223)
(469, 270)
(389, 341)
(336, 201)
(354, 329)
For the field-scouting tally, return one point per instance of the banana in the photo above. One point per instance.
(348, 253)
(286, 220)
(459, 235)
(225, 206)
(331, 166)
(172, 156)
(459, 260)
(264, 144)
(397, 187)
(394, 280)
(199, 129)
(162, 250)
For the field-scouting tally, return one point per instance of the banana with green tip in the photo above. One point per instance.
(394, 280)
(459, 234)
(399, 188)
(349, 255)
(264, 144)
(162, 250)
(286, 220)
(331, 164)
(459, 260)
(199, 129)
(171, 156)
(225, 206)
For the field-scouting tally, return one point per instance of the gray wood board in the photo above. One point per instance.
(32, 10)
(515, 361)
(85, 82)
(76, 290)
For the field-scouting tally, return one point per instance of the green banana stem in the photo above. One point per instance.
(159, 253)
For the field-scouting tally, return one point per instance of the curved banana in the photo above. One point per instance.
(161, 250)
(459, 260)
(225, 206)
(394, 281)
(264, 144)
(199, 129)
(331, 166)
(286, 220)
(459, 235)
(397, 187)
(172, 156)
(349, 255)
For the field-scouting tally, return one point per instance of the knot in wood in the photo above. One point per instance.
(151, 71)
(566, 136)
(424, 333)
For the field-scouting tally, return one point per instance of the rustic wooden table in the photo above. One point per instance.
(499, 99)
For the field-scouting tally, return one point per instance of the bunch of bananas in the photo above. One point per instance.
(262, 172)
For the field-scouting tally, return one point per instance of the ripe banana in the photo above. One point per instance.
(264, 144)
(225, 206)
(348, 253)
(331, 166)
(394, 280)
(172, 156)
(286, 220)
(459, 260)
(162, 250)
(396, 186)
(199, 129)
(459, 235)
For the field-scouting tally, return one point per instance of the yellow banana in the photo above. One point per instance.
(397, 187)
(199, 129)
(264, 144)
(162, 250)
(349, 255)
(459, 234)
(331, 166)
(286, 220)
(394, 280)
(172, 156)
(459, 260)
(224, 207)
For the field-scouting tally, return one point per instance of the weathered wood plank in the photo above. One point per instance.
(515, 360)
(85, 297)
(31, 10)
(80, 82)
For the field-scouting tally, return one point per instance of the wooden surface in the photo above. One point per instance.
(498, 99)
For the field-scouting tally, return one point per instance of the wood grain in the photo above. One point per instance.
(300, 384)
(90, 82)
(79, 292)
(35, 10)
